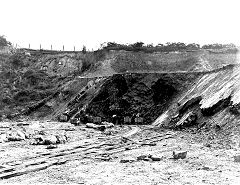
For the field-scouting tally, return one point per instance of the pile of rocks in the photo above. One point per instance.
(43, 139)
(151, 158)
(13, 135)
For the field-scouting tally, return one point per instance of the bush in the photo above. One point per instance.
(16, 62)
(4, 42)
(218, 46)
(84, 50)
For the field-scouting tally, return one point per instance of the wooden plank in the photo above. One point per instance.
(43, 154)
(7, 169)
(26, 170)
(132, 146)
(36, 161)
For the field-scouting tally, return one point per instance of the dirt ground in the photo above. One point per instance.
(110, 157)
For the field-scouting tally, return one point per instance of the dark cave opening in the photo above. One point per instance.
(162, 91)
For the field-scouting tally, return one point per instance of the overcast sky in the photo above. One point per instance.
(92, 22)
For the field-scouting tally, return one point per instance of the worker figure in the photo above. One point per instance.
(138, 119)
(138, 115)
(133, 119)
(116, 120)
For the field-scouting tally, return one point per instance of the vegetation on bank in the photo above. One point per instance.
(168, 47)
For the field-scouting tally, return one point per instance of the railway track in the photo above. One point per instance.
(96, 149)
(46, 159)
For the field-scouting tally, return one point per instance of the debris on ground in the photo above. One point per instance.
(49, 139)
(149, 157)
(3, 138)
(91, 125)
(13, 135)
(107, 124)
(16, 135)
(179, 154)
(44, 140)
(128, 160)
(51, 146)
(236, 158)
(75, 121)
(157, 158)
(148, 144)
(208, 168)
(144, 157)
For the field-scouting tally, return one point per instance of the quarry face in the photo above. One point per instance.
(120, 117)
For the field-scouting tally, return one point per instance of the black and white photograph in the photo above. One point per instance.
(120, 92)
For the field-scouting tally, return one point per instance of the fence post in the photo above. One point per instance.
(40, 47)
(51, 46)
(63, 47)
(74, 48)
(29, 46)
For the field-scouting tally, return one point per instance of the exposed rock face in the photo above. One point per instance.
(147, 95)
(213, 98)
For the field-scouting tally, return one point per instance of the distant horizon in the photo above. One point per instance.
(90, 49)
(93, 22)
(97, 48)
